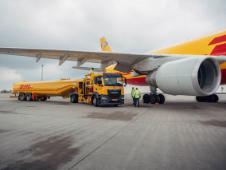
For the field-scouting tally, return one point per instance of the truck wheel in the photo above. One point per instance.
(74, 98)
(95, 102)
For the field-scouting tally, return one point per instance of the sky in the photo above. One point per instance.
(130, 26)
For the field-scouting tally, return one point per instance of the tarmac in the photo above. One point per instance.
(181, 134)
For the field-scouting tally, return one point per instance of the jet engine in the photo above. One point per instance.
(194, 76)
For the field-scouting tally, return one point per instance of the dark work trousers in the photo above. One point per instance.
(134, 102)
(137, 102)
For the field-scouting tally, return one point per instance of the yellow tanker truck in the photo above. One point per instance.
(96, 88)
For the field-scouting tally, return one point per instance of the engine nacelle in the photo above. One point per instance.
(197, 76)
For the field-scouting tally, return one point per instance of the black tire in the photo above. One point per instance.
(157, 98)
(203, 99)
(211, 99)
(146, 98)
(161, 99)
(95, 101)
(214, 98)
(22, 97)
(19, 97)
(153, 98)
(29, 97)
(74, 98)
(198, 99)
(217, 99)
(44, 98)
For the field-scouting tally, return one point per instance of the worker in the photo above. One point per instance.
(137, 96)
(132, 95)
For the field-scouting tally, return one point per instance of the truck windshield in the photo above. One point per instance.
(113, 80)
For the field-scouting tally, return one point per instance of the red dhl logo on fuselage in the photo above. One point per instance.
(25, 86)
(220, 48)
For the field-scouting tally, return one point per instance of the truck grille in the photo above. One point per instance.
(114, 93)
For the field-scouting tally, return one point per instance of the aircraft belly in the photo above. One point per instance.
(140, 81)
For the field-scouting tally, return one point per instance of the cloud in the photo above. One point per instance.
(8, 76)
(130, 26)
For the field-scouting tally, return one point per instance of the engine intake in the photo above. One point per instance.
(197, 76)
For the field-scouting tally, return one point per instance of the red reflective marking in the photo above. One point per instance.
(218, 40)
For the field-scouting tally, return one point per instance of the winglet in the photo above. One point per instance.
(104, 45)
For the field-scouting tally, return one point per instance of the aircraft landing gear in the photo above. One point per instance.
(211, 98)
(154, 97)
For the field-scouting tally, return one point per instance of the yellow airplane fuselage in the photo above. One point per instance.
(214, 45)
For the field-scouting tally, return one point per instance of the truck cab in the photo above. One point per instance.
(100, 89)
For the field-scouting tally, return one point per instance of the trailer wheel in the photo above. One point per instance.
(29, 97)
(44, 98)
(95, 101)
(19, 97)
(22, 97)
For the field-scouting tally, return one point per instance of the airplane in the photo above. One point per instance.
(194, 68)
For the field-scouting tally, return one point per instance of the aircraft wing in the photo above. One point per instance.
(125, 61)
(88, 69)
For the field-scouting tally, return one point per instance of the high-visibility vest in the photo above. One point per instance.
(132, 93)
(137, 94)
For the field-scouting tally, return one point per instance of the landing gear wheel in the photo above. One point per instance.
(198, 99)
(153, 98)
(211, 99)
(95, 102)
(214, 98)
(146, 98)
(29, 97)
(161, 99)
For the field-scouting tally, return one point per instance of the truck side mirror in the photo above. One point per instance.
(125, 82)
